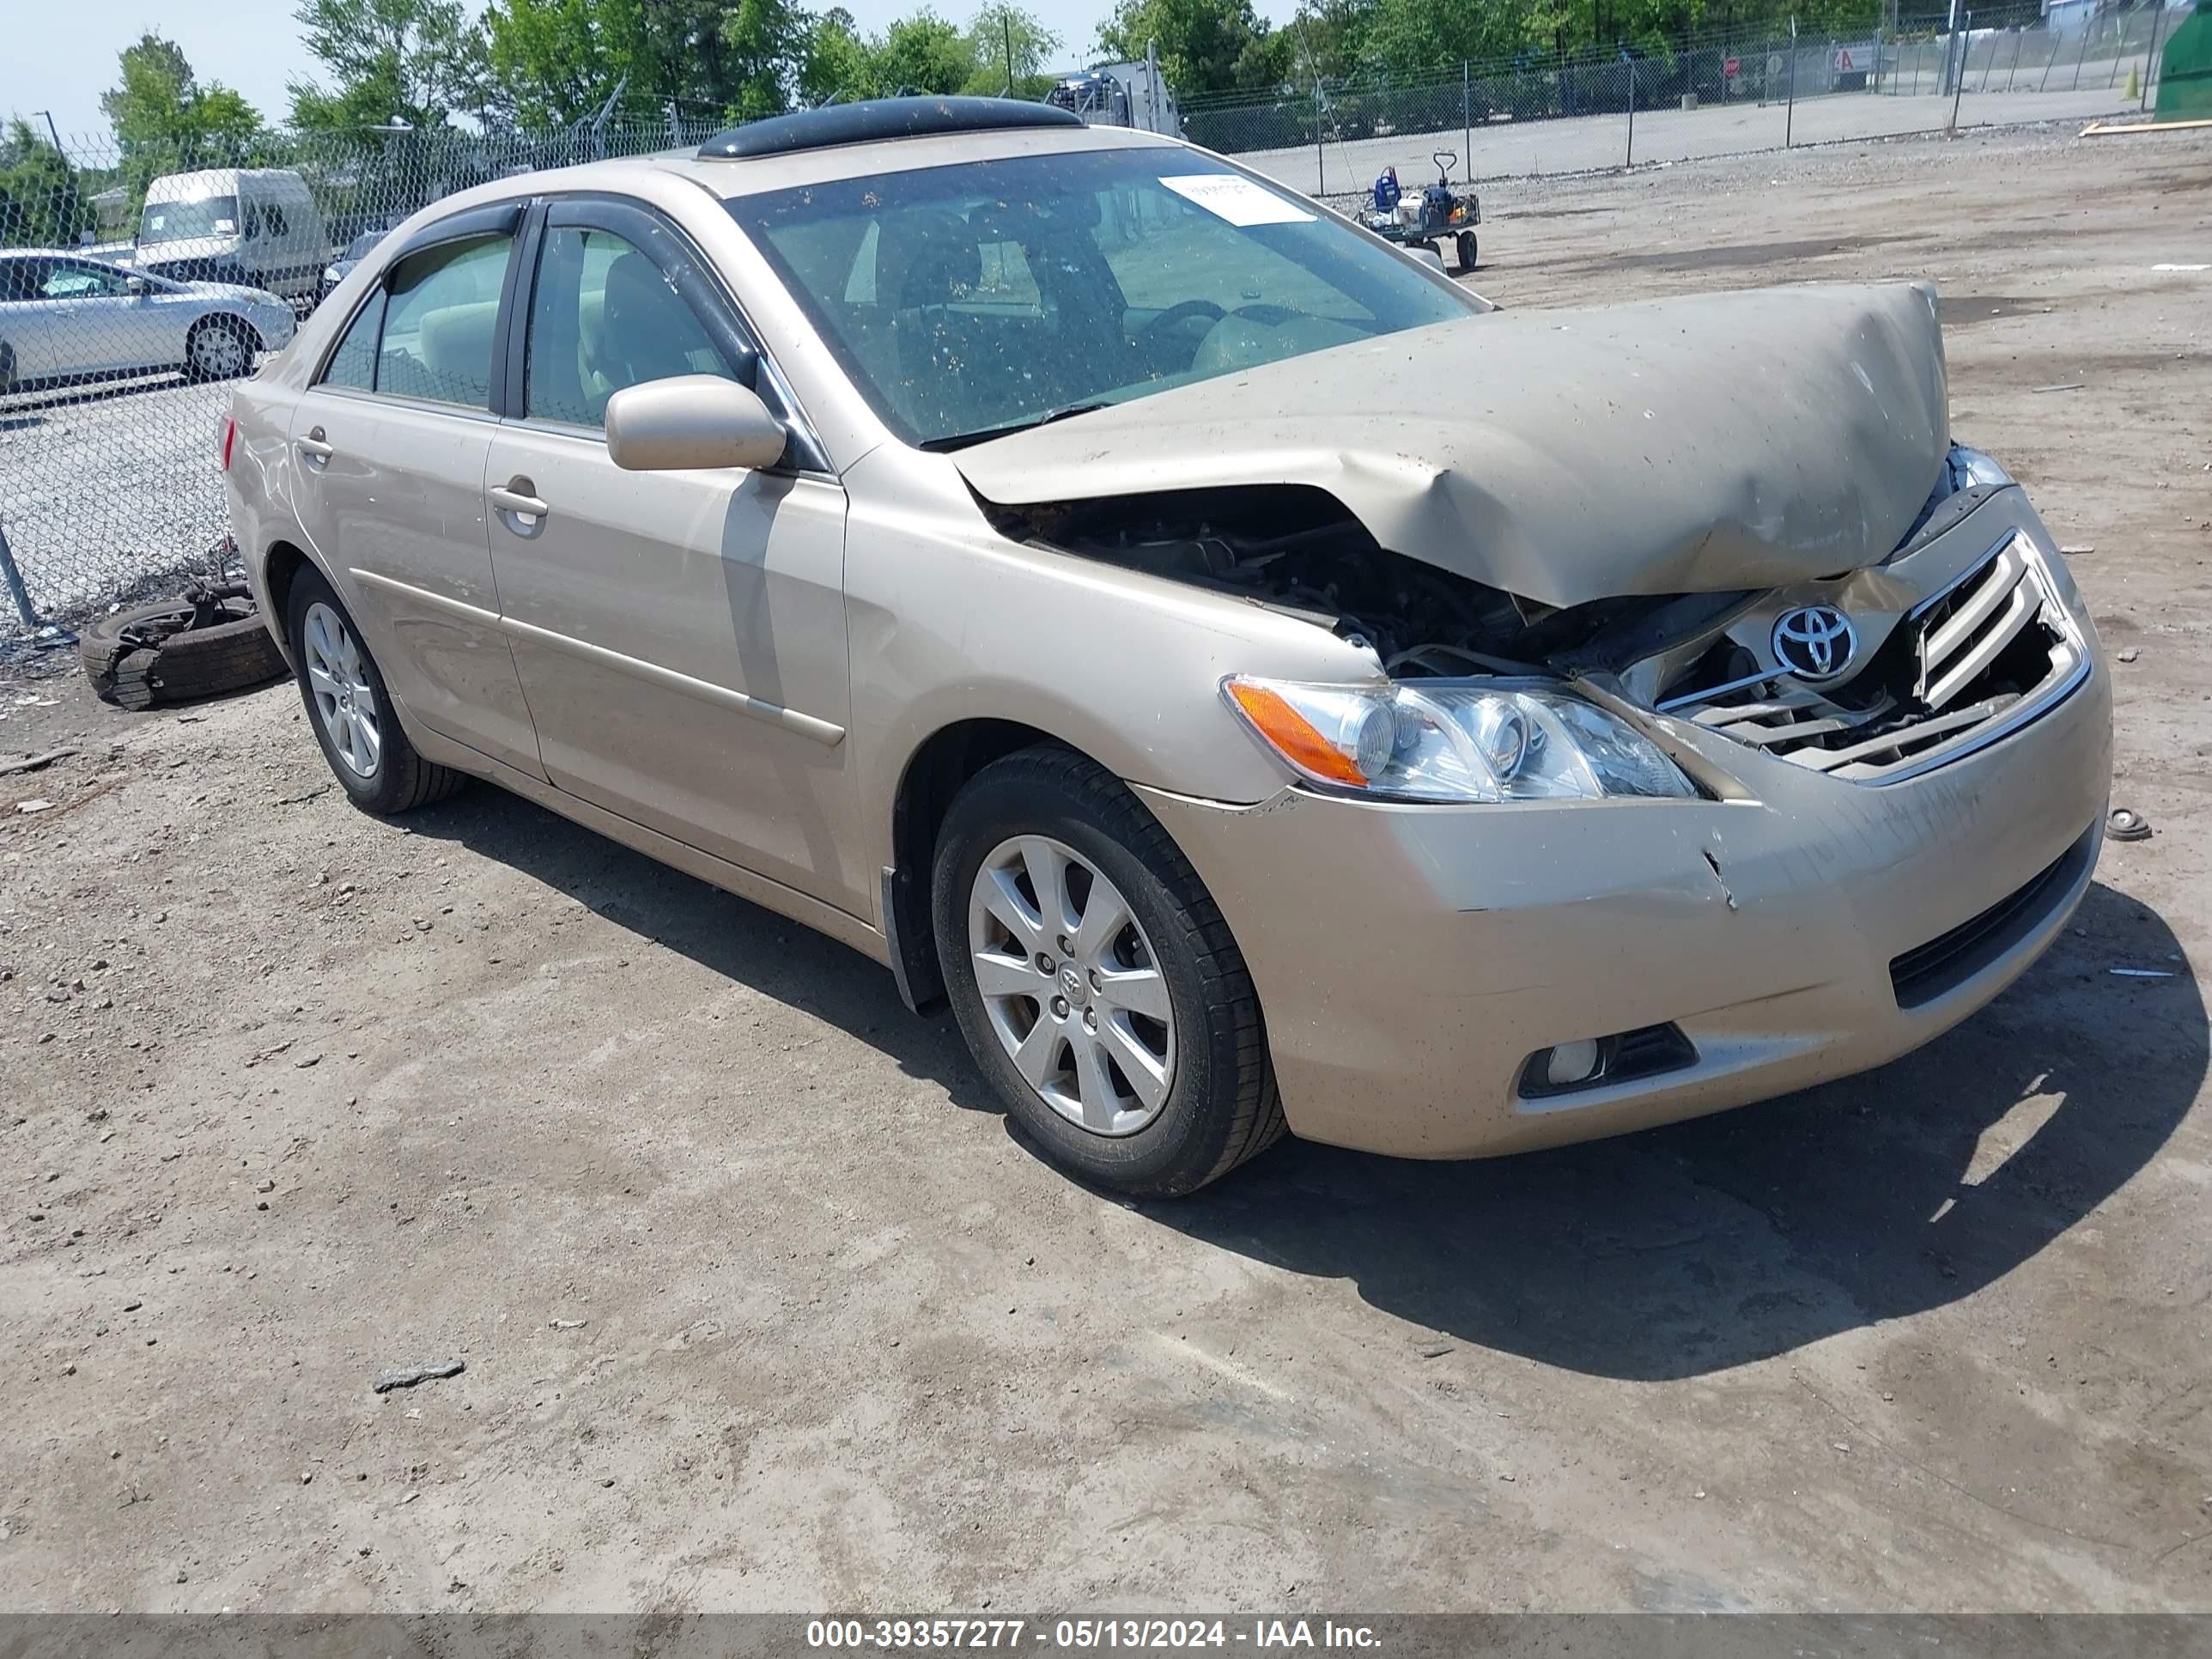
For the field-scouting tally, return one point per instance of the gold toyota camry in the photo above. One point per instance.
(1254, 681)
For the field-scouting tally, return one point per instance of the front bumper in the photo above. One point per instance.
(1412, 958)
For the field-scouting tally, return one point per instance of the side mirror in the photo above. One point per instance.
(1427, 255)
(138, 286)
(691, 422)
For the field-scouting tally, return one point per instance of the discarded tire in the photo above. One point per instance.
(208, 640)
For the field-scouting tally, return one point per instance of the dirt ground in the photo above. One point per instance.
(762, 1306)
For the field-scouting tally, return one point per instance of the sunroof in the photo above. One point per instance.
(876, 119)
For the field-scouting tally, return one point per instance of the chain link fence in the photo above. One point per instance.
(1709, 95)
(136, 284)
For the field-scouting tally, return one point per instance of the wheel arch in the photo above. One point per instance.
(935, 772)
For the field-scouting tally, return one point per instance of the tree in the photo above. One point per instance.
(418, 61)
(166, 121)
(922, 53)
(762, 42)
(1205, 45)
(41, 202)
(1001, 32)
(835, 61)
(559, 61)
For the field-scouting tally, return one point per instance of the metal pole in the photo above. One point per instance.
(2019, 39)
(1959, 87)
(2150, 58)
(1467, 118)
(1954, 63)
(1632, 112)
(16, 591)
(2119, 50)
(1320, 164)
(2080, 55)
(1790, 117)
(1006, 22)
(2047, 63)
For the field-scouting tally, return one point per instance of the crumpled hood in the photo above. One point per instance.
(1728, 440)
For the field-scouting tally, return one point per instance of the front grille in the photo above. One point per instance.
(1929, 971)
(1971, 662)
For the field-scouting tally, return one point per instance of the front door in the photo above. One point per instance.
(681, 636)
(388, 453)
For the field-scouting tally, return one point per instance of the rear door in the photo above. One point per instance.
(388, 452)
(680, 636)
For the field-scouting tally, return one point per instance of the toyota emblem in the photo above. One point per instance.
(1814, 641)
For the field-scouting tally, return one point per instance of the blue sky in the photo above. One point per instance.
(62, 58)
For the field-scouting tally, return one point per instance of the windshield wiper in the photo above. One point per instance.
(961, 439)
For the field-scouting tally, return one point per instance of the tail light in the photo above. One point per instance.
(229, 440)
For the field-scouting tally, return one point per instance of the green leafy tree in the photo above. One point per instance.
(42, 202)
(835, 60)
(418, 61)
(559, 61)
(1205, 45)
(762, 43)
(1011, 50)
(922, 53)
(166, 121)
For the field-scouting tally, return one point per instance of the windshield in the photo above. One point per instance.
(967, 300)
(179, 222)
(360, 245)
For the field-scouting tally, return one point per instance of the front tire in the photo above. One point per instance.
(1096, 983)
(1467, 249)
(349, 709)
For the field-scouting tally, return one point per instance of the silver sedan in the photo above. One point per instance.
(63, 317)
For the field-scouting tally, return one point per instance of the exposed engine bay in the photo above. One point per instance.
(1299, 551)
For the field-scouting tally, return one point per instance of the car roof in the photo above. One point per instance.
(752, 175)
(70, 253)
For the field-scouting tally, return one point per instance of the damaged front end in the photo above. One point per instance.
(1871, 676)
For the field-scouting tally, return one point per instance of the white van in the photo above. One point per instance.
(256, 227)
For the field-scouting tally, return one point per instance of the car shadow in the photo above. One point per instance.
(729, 936)
(1670, 1253)
(1689, 1250)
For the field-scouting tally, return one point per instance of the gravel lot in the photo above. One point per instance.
(762, 1305)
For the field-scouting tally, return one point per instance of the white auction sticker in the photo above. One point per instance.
(1232, 196)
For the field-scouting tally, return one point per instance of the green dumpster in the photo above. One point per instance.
(2185, 76)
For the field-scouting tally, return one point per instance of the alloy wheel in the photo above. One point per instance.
(1071, 985)
(218, 352)
(345, 703)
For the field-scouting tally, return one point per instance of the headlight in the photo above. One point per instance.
(1454, 740)
(1964, 468)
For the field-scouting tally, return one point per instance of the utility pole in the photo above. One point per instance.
(1006, 22)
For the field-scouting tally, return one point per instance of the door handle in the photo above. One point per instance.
(313, 447)
(516, 496)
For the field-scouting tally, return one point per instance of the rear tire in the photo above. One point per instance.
(1219, 1106)
(350, 711)
(1467, 249)
(220, 348)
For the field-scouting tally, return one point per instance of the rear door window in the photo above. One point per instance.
(441, 322)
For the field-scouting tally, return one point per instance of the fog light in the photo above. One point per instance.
(1570, 1068)
(1571, 1062)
